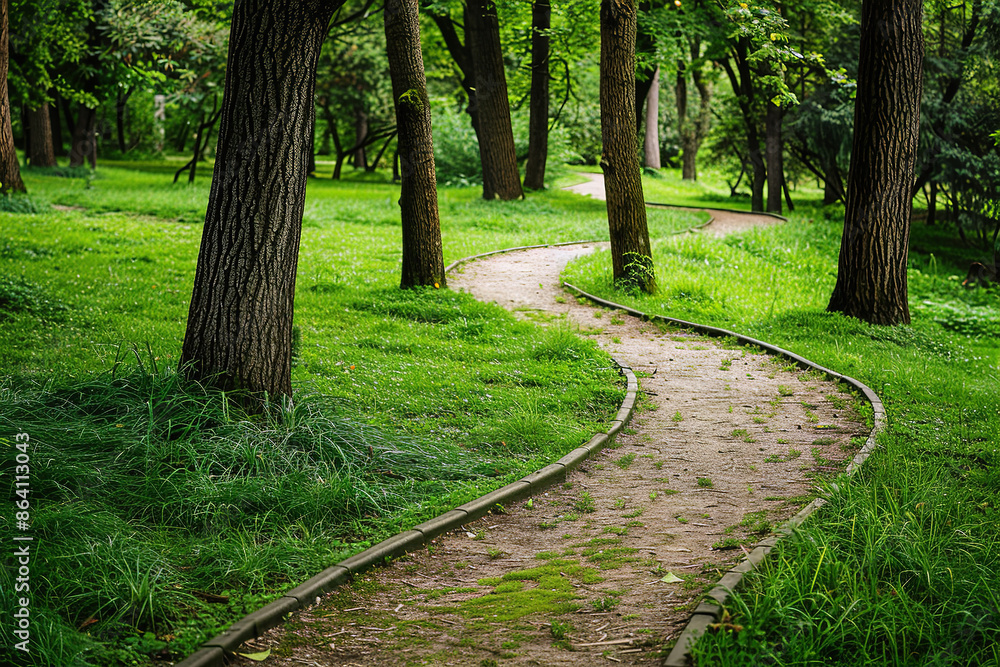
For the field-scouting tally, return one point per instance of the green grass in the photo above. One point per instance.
(901, 568)
(710, 190)
(149, 496)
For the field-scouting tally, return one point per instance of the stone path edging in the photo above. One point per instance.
(715, 208)
(213, 652)
(709, 612)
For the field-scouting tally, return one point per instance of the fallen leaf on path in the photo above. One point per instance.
(256, 657)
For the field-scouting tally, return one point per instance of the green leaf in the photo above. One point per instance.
(257, 657)
(671, 578)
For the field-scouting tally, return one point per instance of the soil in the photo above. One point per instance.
(727, 443)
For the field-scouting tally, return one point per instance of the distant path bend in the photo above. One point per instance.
(723, 221)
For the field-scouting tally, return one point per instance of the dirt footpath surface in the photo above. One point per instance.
(607, 567)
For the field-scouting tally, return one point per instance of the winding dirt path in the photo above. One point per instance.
(608, 566)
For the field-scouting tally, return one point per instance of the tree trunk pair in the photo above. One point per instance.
(692, 130)
(871, 276)
(631, 255)
(84, 147)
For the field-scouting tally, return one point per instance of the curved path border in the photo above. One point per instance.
(710, 611)
(213, 652)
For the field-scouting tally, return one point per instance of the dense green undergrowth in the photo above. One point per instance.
(901, 568)
(160, 512)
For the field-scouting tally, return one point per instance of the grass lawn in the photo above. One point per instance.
(902, 567)
(159, 513)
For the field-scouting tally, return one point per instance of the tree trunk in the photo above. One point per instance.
(652, 142)
(43, 153)
(772, 151)
(932, 203)
(55, 126)
(25, 133)
(423, 258)
(538, 122)
(742, 83)
(10, 170)
(462, 55)
(631, 256)
(501, 179)
(360, 134)
(704, 120)
(871, 276)
(239, 329)
(121, 107)
(833, 185)
(84, 139)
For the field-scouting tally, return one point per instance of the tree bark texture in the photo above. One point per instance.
(84, 146)
(423, 257)
(871, 276)
(501, 179)
(538, 122)
(10, 170)
(631, 256)
(773, 153)
(43, 153)
(651, 145)
(239, 330)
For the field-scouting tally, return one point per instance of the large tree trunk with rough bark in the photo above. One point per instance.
(631, 256)
(871, 276)
(10, 170)
(538, 121)
(239, 329)
(43, 152)
(501, 179)
(84, 146)
(773, 153)
(423, 258)
(651, 145)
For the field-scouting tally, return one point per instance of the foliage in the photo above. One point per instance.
(47, 39)
(456, 150)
